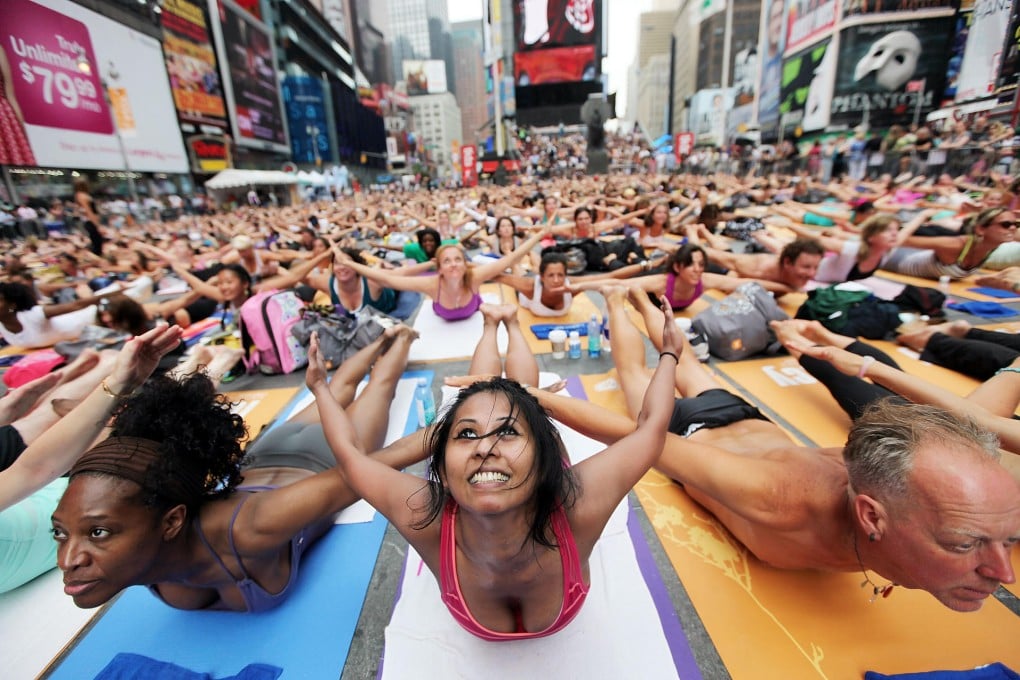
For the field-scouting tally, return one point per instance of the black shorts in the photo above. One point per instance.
(711, 408)
(296, 445)
(11, 446)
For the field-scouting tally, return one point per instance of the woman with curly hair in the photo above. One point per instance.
(161, 503)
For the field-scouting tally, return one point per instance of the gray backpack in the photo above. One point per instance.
(738, 325)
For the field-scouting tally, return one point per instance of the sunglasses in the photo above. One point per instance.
(1007, 224)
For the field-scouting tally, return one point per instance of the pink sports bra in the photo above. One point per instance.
(574, 589)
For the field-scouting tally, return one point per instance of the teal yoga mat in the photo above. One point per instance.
(308, 636)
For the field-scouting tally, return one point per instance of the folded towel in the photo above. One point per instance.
(994, 292)
(993, 671)
(137, 667)
(541, 330)
(986, 310)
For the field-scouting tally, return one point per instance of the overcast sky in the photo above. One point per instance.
(623, 27)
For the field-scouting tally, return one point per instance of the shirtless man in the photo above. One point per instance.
(793, 267)
(917, 496)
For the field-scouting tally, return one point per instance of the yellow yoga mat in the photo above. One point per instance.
(780, 384)
(958, 288)
(260, 407)
(580, 311)
(768, 623)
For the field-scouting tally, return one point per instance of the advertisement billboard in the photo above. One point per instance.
(891, 71)
(556, 65)
(540, 24)
(1009, 69)
(863, 7)
(708, 115)
(806, 88)
(770, 50)
(957, 45)
(306, 117)
(468, 165)
(191, 65)
(249, 65)
(808, 20)
(424, 76)
(981, 59)
(59, 56)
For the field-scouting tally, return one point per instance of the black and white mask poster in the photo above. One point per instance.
(806, 88)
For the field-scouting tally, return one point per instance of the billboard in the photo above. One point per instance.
(59, 55)
(306, 118)
(1010, 67)
(708, 115)
(424, 76)
(981, 59)
(891, 70)
(863, 7)
(808, 20)
(770, 50)
(191, 65)
(957, 45)
(540, 24)
(806, 88)
(556, 65)
(249, 64)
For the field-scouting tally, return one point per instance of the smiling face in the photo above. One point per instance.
(954, 534)
(1002, 228)
(796, 274)
(106, 539)
(691, 274)
(231, 287)
(490, 455)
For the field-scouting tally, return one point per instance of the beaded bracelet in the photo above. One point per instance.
(865, 364)
(669, 354)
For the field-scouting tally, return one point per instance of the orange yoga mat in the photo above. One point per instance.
(580, 311)
(260, 407)
(768, 623)
(957, 288)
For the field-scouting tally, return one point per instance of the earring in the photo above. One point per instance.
(872, 537)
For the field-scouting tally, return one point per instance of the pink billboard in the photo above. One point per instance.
(54, 57)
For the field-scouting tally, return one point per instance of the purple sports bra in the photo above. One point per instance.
(457, 313)
(681, 304)
(574, 588)
(255, 597)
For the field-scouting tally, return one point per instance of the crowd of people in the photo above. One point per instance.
(920, 495)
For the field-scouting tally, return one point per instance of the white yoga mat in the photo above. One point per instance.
(38, 621)
(617, 633)
(443, 340)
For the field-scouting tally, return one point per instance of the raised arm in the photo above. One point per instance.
(53, 452)
(609, 475)
(489, 270)
(289, 278)
(390, 279)
(386, 489)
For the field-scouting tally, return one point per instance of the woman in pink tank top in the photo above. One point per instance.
(516, 522)
(455, 286)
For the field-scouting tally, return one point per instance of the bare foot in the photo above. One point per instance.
(997, 281)
(916, 340)
(404, 331)
(86, 361)
(222, 360)
(491, 313)
(21, 400)
(790, 334)
(615, 295)
(507, 314)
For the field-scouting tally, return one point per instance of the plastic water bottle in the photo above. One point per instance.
(426, 403)
(944, 285)
(594, 337)
(574, 345)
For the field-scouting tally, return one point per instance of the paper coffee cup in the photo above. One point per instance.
(558, 338)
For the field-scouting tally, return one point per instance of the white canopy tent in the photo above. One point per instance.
(235, 178)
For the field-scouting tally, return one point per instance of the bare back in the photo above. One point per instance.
(787, 504)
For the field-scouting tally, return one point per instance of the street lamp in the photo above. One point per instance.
(85, 67)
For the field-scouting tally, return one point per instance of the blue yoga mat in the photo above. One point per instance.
(995, 293)
(308, 636)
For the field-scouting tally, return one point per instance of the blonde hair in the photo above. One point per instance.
(872, 226)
